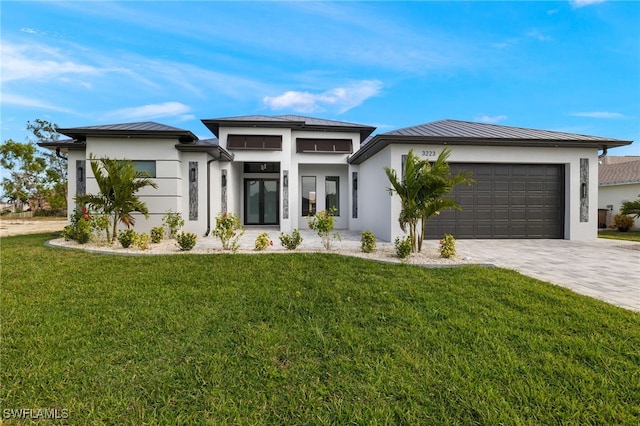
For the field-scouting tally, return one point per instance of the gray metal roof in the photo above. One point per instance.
(469, 130)
(454, 132)
(139, 129)
(619, 172)
(210, 146)
(286, 121)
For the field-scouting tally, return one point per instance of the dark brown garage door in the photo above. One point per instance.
(507, 201)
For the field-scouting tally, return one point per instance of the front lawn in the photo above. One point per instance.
(617, 235)
(305, 339)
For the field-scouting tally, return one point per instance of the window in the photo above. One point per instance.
(308, 195)
(332, 194)
(337, 146)
(255, 142)
(148, 167)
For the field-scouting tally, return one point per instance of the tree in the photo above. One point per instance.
(118, 182)
(631, 208)
(34, 176)
(26, 169)
(422, 192)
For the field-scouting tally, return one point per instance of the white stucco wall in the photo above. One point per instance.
(319, 165)
(373, 174)
(615, 195)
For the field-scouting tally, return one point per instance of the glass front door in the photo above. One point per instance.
(261, 202)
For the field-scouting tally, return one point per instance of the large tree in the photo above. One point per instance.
(119, 183)
(422, 192)
(35, 176)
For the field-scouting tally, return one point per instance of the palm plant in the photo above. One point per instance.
(631, 208)
(118, 182)
(422, 192)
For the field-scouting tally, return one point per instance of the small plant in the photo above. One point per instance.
(291, 241)
(142, 241)
(127, 237)
(403, 247)
(157, 234)
(229, 230)
(262, 242)
(447, 246)
(186, 240)
(100, 223)
(80, 227)
(174, 223)
(323, 223)
(623, 222)
(368, 242)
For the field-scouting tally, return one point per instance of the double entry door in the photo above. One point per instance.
(261, 202)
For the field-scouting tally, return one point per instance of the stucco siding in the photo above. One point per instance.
(615, 195)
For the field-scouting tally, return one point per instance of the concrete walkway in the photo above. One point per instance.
(608, 270)
(605, 269)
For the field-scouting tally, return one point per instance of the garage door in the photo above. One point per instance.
(507, 201)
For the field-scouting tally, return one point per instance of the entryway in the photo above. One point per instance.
(261, 201)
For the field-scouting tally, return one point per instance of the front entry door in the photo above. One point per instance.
(261, 202)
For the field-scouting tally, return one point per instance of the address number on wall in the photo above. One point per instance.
(429, 153)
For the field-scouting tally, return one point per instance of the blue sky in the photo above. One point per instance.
(570, 66)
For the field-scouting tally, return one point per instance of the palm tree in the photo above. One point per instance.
(119, 182)
(631, 208)
(422, 192)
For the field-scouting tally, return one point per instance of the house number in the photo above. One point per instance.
(428, 153)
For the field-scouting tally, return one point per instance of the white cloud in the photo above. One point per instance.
(38, 62)
(582, 3)
(151, 111)
(535, 33)
(341, 99)
(24, 101)
(490, 119)
(598, 114)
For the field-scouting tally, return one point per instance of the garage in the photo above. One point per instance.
(507, 201)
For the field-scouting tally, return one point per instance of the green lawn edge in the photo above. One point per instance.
(305, 339)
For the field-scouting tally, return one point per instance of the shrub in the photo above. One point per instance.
(323, 223)
(186, 240)
(142, 241)
(157, 234)
(403, 246)
(291, 241)
(447, 246)
(174, 223)
(229, 230)
(127, 237)
(262, 242)
(623, 222)
(79, 228)
(100, 223)
(368, 242)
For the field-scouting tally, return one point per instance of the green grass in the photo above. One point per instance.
(305, 339)
(617, 235)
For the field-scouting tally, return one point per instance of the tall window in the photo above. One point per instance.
(308, 195)
(332, 193)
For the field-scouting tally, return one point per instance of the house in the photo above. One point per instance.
(274, 171)
(618, 181)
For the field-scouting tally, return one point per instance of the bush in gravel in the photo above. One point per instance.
(368, 242)
(403, 246)
(291, 241)
(142, 241)
(186, 240)
(127, 237)
(447, 246)
(157, 234)
(262, 242)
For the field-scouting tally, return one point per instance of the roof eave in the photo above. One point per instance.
(82, 134)
(215, 151)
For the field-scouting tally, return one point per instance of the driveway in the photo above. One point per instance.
(605, 269)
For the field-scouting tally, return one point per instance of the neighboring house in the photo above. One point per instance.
(274, 171)
(619, 181)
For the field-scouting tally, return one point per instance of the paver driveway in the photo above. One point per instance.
(605, 269)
